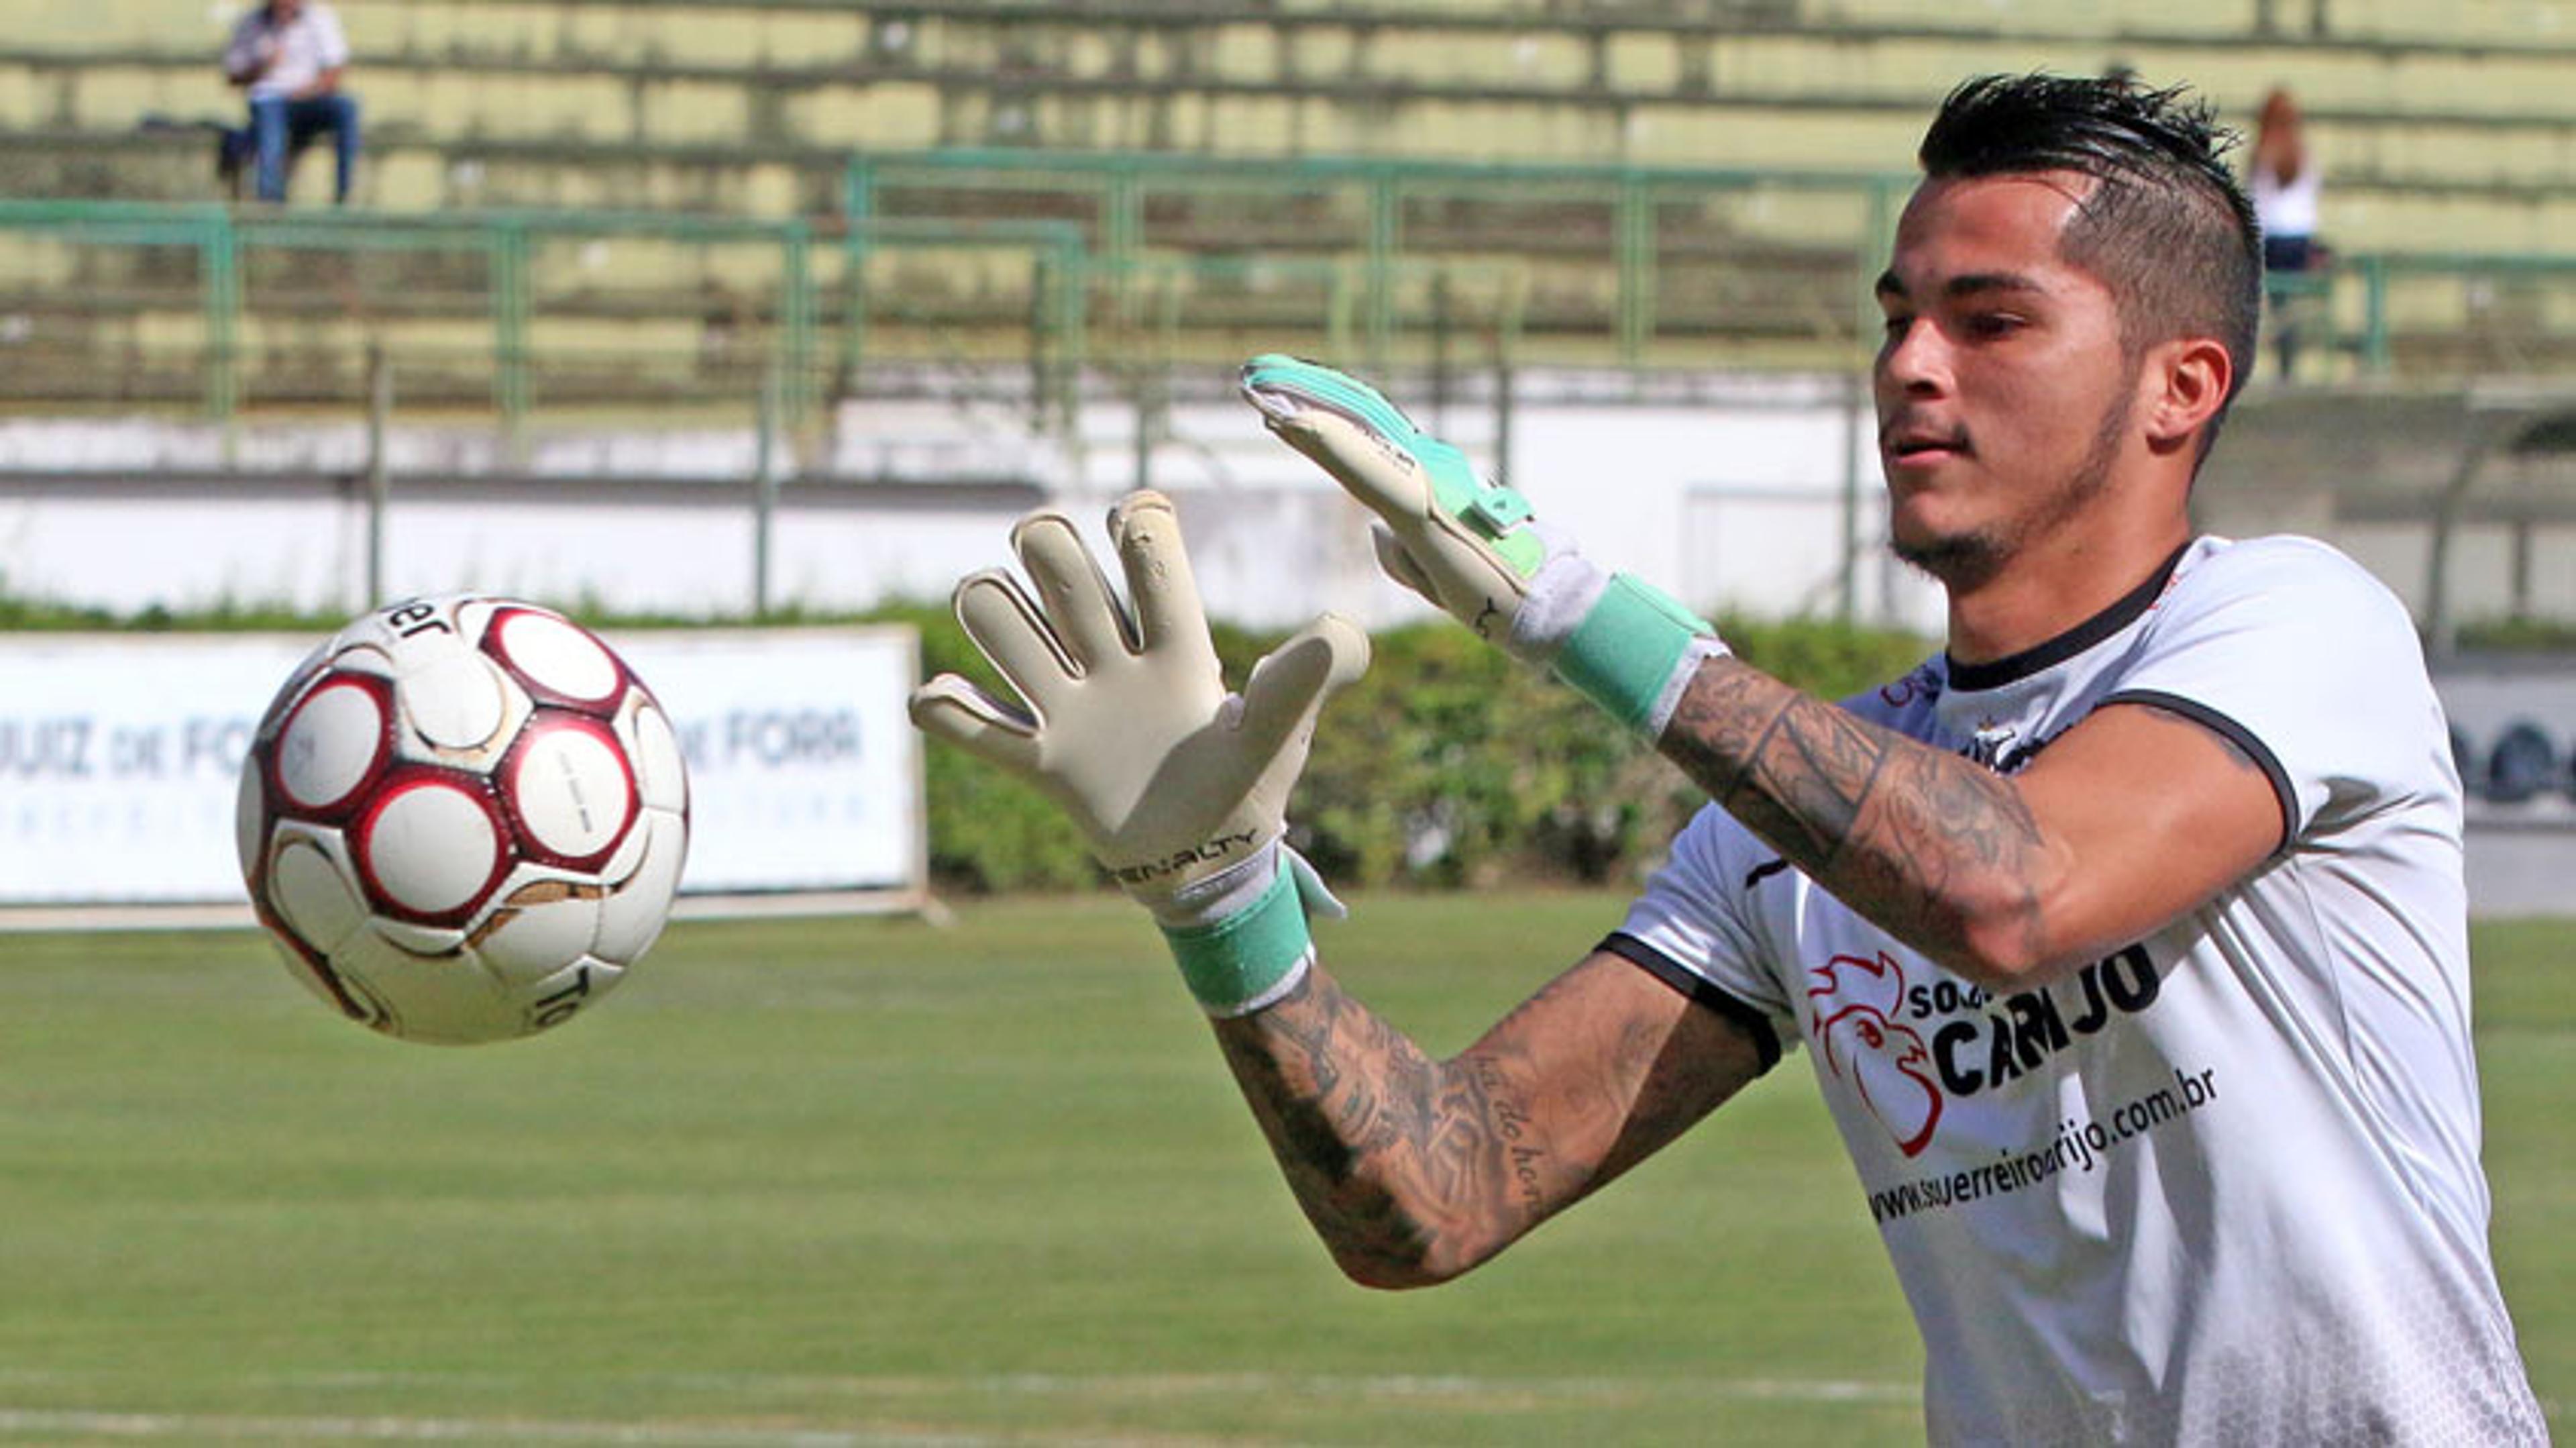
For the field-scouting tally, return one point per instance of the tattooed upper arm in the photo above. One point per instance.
(1941, 852)
(2130, 818)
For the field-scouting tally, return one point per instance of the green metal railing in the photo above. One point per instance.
(1141, 293)
(206, 229)
(1116, 186)
(1109, 285)
(1061, 263)
(2379, 273)
(2351, 306)
(224, 239)
(1148, 297)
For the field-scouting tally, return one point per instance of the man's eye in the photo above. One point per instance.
(1994, 324)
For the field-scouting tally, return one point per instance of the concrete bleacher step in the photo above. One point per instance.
(1671, 83)
(2484, 119)
(2436, 137)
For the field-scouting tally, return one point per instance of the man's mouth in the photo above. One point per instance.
(1918, 447)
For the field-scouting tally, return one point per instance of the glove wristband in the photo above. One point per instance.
(1250, 958)
(1635, 652)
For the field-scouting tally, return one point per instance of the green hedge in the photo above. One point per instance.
(1447, 764)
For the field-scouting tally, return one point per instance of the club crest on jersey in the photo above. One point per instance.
(1853, 1007)
(2001, 748)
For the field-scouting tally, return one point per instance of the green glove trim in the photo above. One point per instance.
(1497, 511)
(1494, 513)
(1234, 963)
(1625, 650)
(1491, 511)
(1338, 390)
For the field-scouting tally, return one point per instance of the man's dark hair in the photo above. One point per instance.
(2166, 227)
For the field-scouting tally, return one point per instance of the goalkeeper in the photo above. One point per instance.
(2126, 936)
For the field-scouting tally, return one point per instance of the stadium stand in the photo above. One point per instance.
(1634, 183)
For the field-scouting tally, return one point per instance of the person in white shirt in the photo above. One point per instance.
(288, 57)
(2287, 187)
(2126, 936)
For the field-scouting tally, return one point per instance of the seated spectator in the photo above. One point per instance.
(288, 56)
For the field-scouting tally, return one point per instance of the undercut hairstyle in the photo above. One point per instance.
(2166, 227)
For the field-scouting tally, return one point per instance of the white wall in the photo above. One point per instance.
(1732, 498)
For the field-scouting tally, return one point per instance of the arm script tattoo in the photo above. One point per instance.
(1413, 1170)
(1901, 832)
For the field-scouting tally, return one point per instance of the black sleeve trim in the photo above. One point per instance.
(2234, 733)
(1699, 989)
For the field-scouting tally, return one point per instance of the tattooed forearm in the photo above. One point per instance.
(1414, 1170)
(1522, 1155)
(1399, 1161)
(1925, 843)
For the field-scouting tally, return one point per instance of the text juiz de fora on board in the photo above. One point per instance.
(81, 746)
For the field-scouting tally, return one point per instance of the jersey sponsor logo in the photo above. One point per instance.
(1978, 1049)
(1906, 1048)
(2079, 1146)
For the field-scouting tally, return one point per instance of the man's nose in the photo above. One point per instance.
(1913, 362)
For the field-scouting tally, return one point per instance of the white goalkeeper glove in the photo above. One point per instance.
(1179, 788)
(1474, 548)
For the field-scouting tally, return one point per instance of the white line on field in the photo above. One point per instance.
(392, 1428)
(1096, 1385)
(213, 1426)
(1319, 1385)
(381, 1428)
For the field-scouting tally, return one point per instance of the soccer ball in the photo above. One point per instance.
(462, 819)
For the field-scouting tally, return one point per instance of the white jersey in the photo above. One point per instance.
(2287, 208)
(2223, 1185)
(297, 52)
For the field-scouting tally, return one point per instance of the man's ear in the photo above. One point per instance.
(2188, 380)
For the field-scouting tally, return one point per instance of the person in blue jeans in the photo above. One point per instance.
(288, 56)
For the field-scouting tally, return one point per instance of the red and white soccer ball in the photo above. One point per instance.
(463, 819)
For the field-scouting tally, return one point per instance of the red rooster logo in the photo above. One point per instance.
(1852, 1007)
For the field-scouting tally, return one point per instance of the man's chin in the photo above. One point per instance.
(1955, 561)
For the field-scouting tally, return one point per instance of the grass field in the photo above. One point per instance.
(870, 1181)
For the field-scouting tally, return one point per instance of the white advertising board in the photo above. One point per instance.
(120, 753)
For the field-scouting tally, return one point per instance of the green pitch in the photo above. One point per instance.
(868, 1181)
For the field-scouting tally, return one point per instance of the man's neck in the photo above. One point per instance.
(2053, 586)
